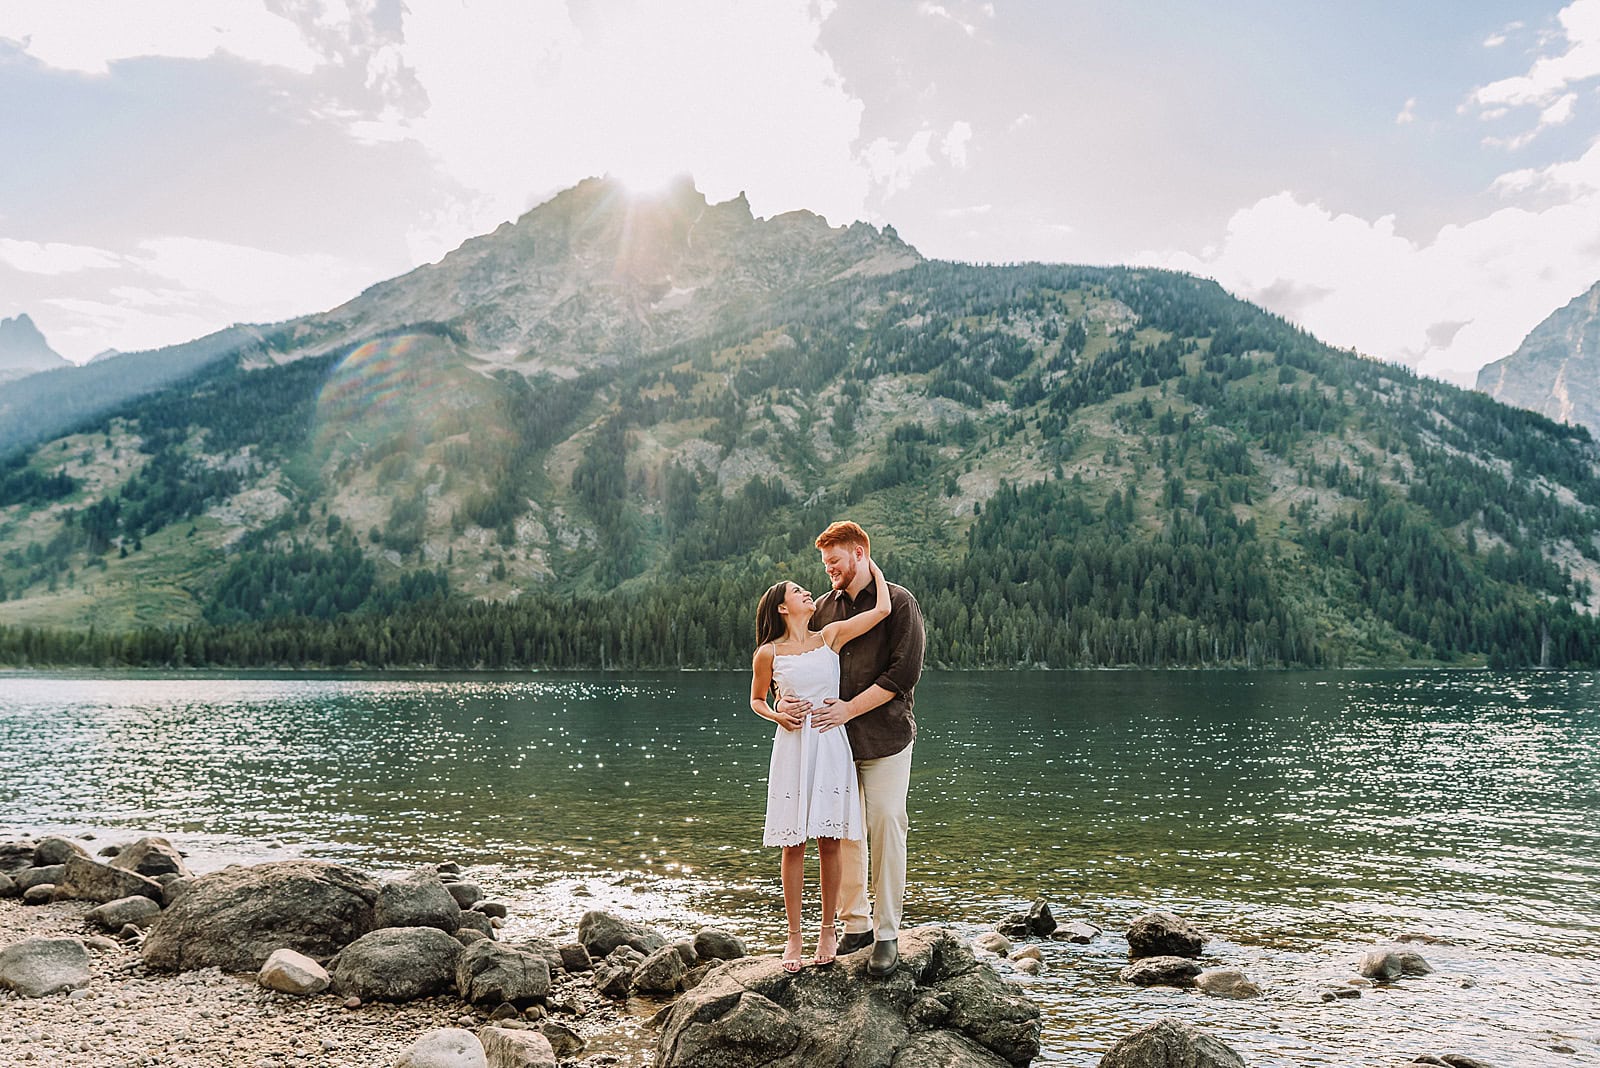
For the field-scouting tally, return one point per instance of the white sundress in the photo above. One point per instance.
(812, 790)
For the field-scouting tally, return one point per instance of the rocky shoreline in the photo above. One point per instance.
(129, 959)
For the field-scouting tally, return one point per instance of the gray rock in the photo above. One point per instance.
(661, 972)
(88, 879)
(30, 877)
(1161, 934)
(1041, 922)
(993, 942)
(564, 1040)
(940, 1008)
(172, 889)
(418, 899)
(713, 943)
(42, 894)
(448, 1047)
(8, 886)
(1461, 1060)
(56, 850)
(1161, 971)
(466, 894)
(1170, 1043)
(152, 857)
(506, 1048)
(16, 855)
(113, 915)
(397, 964)
(1387, 965)
(1028, 965)
(488, 973)
(1016, 925)
(1226, 983)
(477, 921)
(466, 936)
(289, 972)
(495, 910)
(574, 958)
(1076, 931)
(544, 948)
(39, 966)
(602, 932)
(613, 975)
(235, 918)
(1338, 992)
(108, 851)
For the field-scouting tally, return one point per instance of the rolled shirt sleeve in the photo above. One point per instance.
(905, 644)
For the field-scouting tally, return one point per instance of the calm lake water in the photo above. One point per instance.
(1299, 818)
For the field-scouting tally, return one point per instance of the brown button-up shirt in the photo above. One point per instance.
(890, 654)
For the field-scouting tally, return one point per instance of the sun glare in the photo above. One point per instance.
(646, 182)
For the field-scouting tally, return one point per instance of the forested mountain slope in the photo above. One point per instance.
(1068, 466)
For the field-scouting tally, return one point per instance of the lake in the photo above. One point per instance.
(1298, 818)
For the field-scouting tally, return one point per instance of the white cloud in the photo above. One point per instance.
(1445, 306)
(893, 166)
(955, 144)
(1408, 114)
(1548, 80)
(89, 35)
(54, 257)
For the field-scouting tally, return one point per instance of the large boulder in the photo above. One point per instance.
(1161, 934)
(56, 850)
(39, 966)
(507, 1048)
(87, 879)
(601, 932)
(151, 856)
(448, 1047)
(488, 973)
(233, 919)
(417, 900)
(1170, 1043)
(940, 1007)
(661, 972)
(397, 964)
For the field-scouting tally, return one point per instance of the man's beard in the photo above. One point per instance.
(847, 575)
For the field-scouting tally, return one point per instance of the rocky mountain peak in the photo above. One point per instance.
(599, 273)
(1556, 369)
(24, 351)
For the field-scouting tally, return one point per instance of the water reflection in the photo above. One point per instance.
(1299, 817)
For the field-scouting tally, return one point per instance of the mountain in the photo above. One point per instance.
(594, 436)
(1556, 369)
(24, 351)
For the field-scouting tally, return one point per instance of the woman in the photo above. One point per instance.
(811, 786)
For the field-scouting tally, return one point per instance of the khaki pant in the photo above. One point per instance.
(884, 784)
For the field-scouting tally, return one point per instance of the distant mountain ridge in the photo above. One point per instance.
(24, 351)
(1556, 369)
(593, 437)
(592, 277)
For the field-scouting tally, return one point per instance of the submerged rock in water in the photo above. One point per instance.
(1161, 971)
(1170, 1043)
(940, 1007)
(1226, 983)
(1161, 934)
(1076, 931)
(1387, 965)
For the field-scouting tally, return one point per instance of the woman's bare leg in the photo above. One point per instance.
(794, 873)
(828, 863)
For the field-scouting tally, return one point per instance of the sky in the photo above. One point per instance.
(1419, 182)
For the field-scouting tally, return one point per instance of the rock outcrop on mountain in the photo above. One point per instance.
(24, 351)
(598, 274)
(1556, 369)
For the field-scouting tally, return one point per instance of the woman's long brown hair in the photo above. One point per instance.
(770, 625)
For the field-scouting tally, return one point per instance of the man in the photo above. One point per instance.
(877, 675)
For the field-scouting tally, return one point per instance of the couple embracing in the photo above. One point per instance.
(851, 660)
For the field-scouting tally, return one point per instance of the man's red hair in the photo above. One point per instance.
(844, 532)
